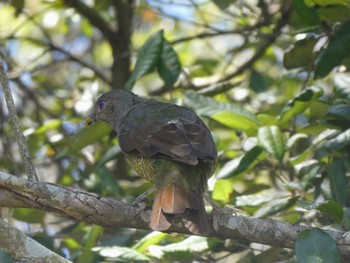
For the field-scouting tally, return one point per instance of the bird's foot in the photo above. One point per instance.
(218, 211)
(140, 201)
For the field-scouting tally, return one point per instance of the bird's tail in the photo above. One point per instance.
(173, 201)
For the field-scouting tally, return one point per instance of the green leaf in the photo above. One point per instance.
(169, 67)
(90, 240)
(147, 59)
(301, 55)
(342, 85)
(333, 209)
(257, 81)
(337, 49)
(223, 4)
(222, 190)
(181, 250)
(29, 215)
(312, 3)
(300, 103)
(333, 14)
(231, 115)
(338, 181)
(340, 141)
(314, 245)
(306, 14)
(277, 208)
(121, 253)
(239, 165)
(270, 138)
(152, 238)
(338, 112)
(85, 137)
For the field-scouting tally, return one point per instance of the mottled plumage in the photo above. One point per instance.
(169, 146)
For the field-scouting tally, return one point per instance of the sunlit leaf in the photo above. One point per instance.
(340, 141)
(152, 238)
(315, 245)
(121, 253)
(342, 85)
(222, 190)
(273, 210)
(231, 115)
(300, 103)
(240, 164)
(270, 138)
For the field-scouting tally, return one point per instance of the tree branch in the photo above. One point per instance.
(21, 140)
(23, 248)
(94, 209)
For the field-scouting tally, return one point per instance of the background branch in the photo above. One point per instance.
(24, 248)
(94, 209)
(21, 140)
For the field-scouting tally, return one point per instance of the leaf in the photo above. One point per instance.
(231, 115)
(222, 190)
(314, 245)
(312, 3)
(339, 113)
(337, 49)
(306, 14)
(340, 141)
(300, 103)
(277, 208)
(152, 238)
(182, 250)
(270, 138)
(333, 209)
(257, 81)
(338, 181)
(86, 136)
(121, 253)
(91, 238)
(240, 164)
(223, 4)
(169, 67)
(342, 85)
(301, 55)
(29, 215)
(147, 59)
(333, 14)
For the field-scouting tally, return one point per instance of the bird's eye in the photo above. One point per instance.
(101, 104)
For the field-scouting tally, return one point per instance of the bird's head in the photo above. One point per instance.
(111, 106)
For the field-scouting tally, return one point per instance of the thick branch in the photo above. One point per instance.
(94, 209)
(21, 140)
(23, 248)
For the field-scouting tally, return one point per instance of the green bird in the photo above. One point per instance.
(169, 146)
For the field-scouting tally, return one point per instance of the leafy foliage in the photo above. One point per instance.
(271, 80)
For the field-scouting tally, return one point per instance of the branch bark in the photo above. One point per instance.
(25, 249)
(94, 209)
(23, 146)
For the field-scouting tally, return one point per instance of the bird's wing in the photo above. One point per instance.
(182, 140)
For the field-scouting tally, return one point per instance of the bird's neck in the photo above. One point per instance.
(128, 105)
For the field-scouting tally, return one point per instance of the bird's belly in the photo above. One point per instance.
(144, 167)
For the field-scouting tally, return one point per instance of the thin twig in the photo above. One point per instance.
(23, 146)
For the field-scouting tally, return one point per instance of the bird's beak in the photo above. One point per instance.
(89, 120)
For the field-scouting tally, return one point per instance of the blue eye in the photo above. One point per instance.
(101, 104)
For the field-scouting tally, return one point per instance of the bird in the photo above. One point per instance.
(169, 146)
